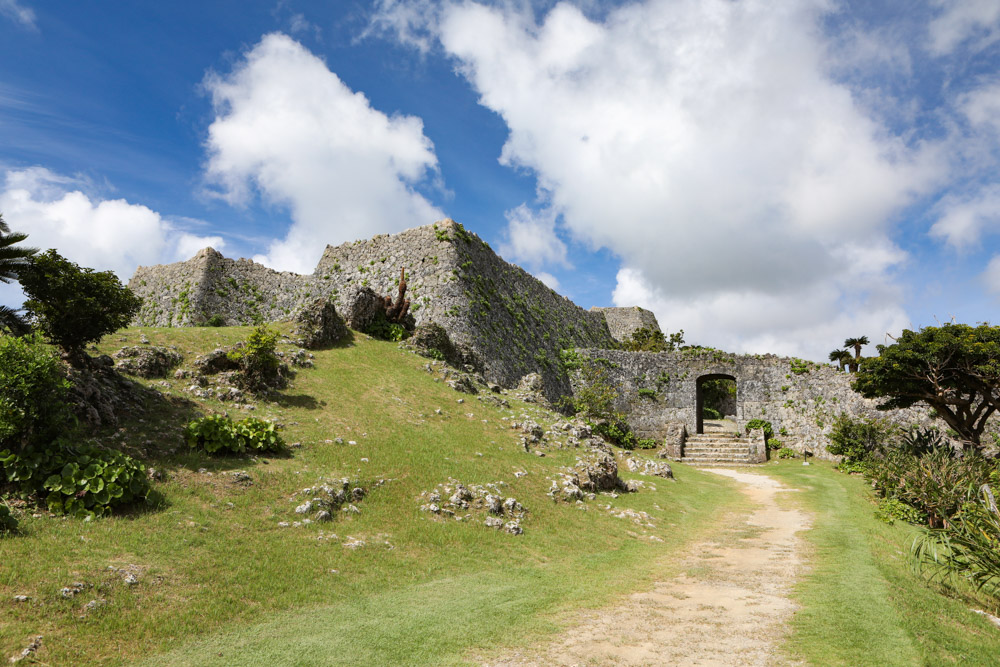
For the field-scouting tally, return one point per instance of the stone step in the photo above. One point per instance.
(745, 458)
(724, 451)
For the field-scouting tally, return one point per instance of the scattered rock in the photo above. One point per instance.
(361, 306)
(21, 598)
(94, 604)
(216, 361)
(72, 590)
(647, 467)
(146, 361)
(319, 325)
(27, 652)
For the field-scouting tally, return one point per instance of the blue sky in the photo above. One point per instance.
(769, 177)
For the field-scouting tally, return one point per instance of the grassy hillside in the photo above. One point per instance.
(215, 572)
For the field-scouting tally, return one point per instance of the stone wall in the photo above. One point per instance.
(623, 322)
(658, 390)
(509, 322)
(240, 291)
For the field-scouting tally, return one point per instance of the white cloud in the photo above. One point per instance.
(288, 128)
(707, 145)
(408, 21)
(531, 238)
(991, 276)
(548, 280)
(963, 219)
(57, 211)
(805, 323)
(961, 20)
(13, 10)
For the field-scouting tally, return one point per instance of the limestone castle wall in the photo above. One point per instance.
(623, 322)
(510, 322)
(658, 389)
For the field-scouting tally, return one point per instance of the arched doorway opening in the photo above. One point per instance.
(715, 400)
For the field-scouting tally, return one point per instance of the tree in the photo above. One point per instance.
(13, 259)
(647, 339)
(856, 343)
(75, 306)
(954, 368)
(842, 358)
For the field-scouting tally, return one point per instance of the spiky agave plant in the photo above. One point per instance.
(969, 547)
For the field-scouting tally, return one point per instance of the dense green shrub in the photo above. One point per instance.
(710, 413)
(786, 453)
(381, 328)
(81, 480)
(891, 510)
(259, 365)
(216, 433)
(774, 444)
(969, 547)
(616, 430)
(75, 306)
(760, 423)
(647, 339)
(937, 483)
(33, 408)
(8, 524)
(215, 321)
(857, 439)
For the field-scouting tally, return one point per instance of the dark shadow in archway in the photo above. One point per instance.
(711, 393)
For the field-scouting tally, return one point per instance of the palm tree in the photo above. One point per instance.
(842, 358)
(856, 343)
(12, 260)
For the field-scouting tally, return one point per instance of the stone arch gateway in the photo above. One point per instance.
(699, 402)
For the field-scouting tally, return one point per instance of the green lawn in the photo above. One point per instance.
(218, 574)
(862, 604)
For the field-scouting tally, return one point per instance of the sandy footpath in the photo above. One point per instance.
(727, 608)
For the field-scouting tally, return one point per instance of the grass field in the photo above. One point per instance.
(217, 575)
(862, 603)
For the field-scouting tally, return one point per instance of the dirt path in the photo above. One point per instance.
(727, 608)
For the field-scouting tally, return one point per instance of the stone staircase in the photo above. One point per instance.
(719, 448)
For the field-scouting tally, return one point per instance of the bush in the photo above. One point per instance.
(775, 444)
(786, 453)
(80, 480)
(891, 510)
(216, 433)
(760, 423)
(857, 439)
(33, 407)
(215, 321)
(937, 484)
(75, 306)
(647, 339)
(381, 328)
(8, 524)
(710, 413)
(969, 547)
(260, 367)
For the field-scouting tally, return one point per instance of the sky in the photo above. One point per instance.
(767, 176)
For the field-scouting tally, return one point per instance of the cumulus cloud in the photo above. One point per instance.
(548, 279)
(976, 20)
(18, 13)
(964, 219)
(991, 276)
(57, 211)
(706, 143)
(288, 129)
(531, 238)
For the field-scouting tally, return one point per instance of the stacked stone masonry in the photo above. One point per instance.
(623, 322)
(800, 396)
(509, 322)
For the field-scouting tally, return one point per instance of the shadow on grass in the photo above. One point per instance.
(298, 401)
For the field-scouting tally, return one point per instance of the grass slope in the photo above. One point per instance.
(218, 575)
(862, 604)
